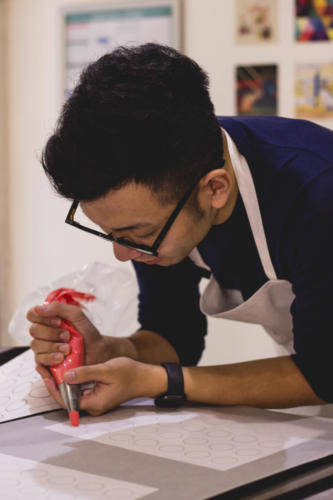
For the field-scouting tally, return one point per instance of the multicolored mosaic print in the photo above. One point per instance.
(314, 20)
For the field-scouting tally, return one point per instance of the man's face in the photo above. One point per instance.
(134, 212)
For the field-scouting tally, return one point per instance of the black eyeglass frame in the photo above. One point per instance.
(146, 249)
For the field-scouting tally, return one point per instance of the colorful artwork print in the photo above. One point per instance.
(257, 90)
(314, 91)
(256, 21)
(314, 20)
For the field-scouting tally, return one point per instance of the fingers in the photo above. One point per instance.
(42, 347)
(49, 342)
(49, 353)
(50, 384)
(44, 332)
(93, 402)
(97, 373)
(114, 384)
(47, 359)
(35, 317)
(50, 314)
(43, 372)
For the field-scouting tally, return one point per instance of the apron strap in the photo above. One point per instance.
(250, 200)
(195, 257)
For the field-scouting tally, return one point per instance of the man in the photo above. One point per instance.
(182, 193)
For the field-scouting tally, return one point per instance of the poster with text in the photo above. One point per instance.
(256, 21)
(256, 90)
(92, 33)
(314, 90)
(314, 20)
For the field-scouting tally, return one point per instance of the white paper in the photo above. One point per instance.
(23, 478)
(22, 391)
(219, 439)
(124, 420)
(139, 402)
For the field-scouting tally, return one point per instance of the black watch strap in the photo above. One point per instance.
(175, 395)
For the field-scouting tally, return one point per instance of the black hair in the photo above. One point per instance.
(139, 114)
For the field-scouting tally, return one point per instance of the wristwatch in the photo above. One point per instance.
(175, 396)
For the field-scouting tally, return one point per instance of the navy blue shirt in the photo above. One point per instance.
(291, 162)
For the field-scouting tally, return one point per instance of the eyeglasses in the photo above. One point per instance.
(148, 250)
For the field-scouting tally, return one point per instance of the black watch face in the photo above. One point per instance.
(170, 400)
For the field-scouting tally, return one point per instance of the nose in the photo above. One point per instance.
(123, 253)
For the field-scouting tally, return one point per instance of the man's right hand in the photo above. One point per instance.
(51, 343)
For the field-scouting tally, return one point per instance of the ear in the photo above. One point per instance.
(217, 186)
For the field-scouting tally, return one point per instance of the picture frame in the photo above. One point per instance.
(89, 31)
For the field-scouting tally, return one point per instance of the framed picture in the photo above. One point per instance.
(90, 32)
(256, 21)
(256, 90)
(314, 90)
(314, 20)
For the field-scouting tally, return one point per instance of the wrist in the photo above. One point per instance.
(154, 380)
(188, 382)
(175, 396)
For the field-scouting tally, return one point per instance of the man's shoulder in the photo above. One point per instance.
(278, 134)
(291, 162)
(283, 154)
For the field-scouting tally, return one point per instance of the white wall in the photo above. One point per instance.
(42, 247)
(3, 176)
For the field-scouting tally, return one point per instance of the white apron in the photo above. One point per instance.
(270, 305)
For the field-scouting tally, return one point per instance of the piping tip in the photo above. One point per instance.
(71, 395)
(74, 417)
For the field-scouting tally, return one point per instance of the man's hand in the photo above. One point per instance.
(50, 341)
(117, 381)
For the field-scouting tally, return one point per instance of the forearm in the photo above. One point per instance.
(152, 348)
(265, 383)
(143, 345)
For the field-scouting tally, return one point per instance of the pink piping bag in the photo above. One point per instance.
(70, 392)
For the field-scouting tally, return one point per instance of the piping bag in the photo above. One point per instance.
(70, 392)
